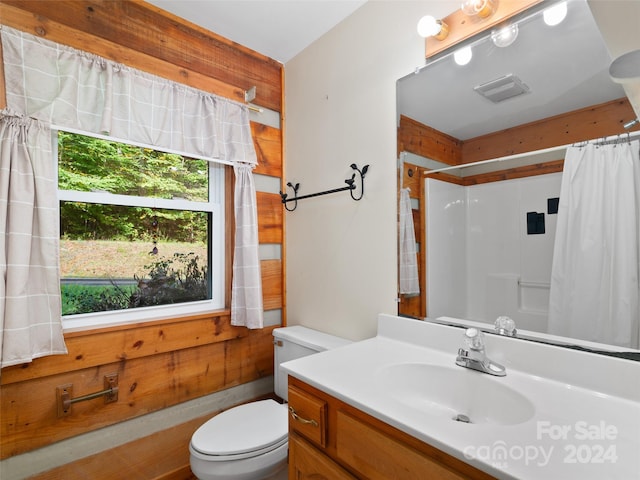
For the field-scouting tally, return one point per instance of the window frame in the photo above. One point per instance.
(218, 249)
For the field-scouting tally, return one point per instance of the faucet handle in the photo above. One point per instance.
(505, 326)
(474, 339)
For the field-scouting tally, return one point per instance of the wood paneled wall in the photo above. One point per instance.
(572, 127)
(597, 121)
(428, 142)
(139, 34)
(158, 365)
(165, 362)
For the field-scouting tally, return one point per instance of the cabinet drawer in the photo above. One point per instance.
(305, 462)
(308, 416)
(376, 456)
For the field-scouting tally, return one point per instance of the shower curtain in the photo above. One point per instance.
(594, 279)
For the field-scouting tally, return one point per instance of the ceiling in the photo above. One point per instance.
(279, 29)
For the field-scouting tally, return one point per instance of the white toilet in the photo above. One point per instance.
(250, 441)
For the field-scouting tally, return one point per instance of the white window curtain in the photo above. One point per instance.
(61, 86)
(246, 289)
(596, 261)
(73, 89)
(29, 285)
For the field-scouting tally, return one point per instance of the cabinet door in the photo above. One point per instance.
(308, 463)
(377, 456)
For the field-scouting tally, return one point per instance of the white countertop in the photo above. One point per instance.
(588, 428)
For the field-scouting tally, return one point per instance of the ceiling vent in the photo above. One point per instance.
(502, 88)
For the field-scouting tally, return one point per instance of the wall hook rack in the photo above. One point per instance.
(351, 187)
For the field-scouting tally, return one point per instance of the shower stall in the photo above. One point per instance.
(482, 259)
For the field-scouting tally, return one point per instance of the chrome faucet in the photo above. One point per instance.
(473, 356)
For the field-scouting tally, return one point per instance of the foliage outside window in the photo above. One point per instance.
(138, 227)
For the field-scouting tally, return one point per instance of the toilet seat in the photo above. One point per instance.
(244, 431)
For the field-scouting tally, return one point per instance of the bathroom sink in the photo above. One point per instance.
(457, 393)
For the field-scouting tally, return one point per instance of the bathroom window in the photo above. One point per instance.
(141, 232)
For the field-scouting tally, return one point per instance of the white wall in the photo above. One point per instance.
(340, 108)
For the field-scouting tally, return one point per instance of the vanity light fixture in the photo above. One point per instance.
(428, 26)
(463, 55)
(479, 8)
(504, 36)
(555, 15)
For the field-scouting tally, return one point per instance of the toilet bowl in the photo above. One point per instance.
(247, 442)
(250, 441)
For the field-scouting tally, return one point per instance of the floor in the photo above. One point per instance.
(161, 456)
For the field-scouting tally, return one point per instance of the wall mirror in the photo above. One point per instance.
(547, 71)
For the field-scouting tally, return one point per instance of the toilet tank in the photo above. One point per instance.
(295, 342)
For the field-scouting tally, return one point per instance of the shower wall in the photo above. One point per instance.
(482, 260)
(446, 249)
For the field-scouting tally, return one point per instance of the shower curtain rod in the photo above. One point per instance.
(621, 136)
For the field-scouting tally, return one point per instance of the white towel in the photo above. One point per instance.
(409, 283)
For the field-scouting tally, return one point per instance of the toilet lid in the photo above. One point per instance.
(250, 428)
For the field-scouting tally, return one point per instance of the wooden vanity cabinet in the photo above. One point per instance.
(329, 439)
(308, 463)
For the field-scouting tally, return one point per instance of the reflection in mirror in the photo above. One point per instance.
(487, 231)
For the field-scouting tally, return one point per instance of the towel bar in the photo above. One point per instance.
(351, 186)
(64, 394)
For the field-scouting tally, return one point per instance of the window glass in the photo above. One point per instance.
(98, 165)
(137, 227)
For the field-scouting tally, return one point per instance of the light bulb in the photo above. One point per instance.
(505, 36)
(554, 15)
(480, 8)
(428, 26)
(463, 55)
